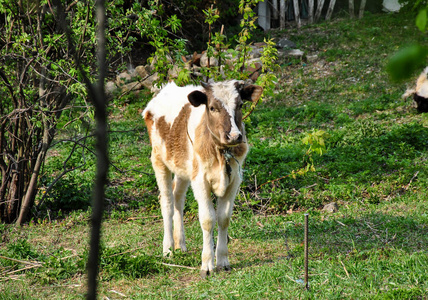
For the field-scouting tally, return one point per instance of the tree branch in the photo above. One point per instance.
(9, 87)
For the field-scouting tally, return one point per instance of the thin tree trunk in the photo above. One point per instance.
(275, 9)
(32, 186)
(297, 13)
(351, 9)
(282, 14)
(319, 10)
(330, 9)
(311, 11)
(362, 7)
(12, 199)
(99, 100)
(30, 193)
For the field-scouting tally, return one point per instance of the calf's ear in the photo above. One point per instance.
(251, 93)
(197, 98)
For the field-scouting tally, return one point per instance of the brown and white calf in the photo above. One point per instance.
(197, 134)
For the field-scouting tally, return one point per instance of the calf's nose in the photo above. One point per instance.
(235, 137)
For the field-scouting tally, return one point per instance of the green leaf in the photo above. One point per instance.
(421, 20)
(406, 61)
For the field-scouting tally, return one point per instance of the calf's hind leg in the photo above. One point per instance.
(164, 181)
(180, 188)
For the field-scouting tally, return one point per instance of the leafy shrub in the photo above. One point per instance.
(51, 268)
(58, 266)
(70, 193)
(20, 249)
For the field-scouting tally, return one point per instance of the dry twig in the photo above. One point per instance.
(178, 266)
(411, 180)
(346, 271)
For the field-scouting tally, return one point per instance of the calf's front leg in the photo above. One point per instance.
(207, 220)
(224, 213)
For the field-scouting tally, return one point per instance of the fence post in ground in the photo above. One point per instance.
(306, 252)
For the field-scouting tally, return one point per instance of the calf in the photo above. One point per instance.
(196, 132)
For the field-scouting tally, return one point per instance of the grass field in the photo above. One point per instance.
(375, 169)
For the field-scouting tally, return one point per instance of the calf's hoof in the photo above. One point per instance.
(167, 254)
(222, 268)
(205, 274)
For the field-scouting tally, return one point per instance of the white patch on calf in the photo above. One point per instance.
(162, 105)
(422, 84)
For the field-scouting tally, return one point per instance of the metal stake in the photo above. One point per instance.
(306, 252)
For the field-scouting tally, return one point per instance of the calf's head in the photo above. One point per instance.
(223, 108)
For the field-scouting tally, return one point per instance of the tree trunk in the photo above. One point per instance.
(275, 9)
(100, 103)
(30, 194)
(311, 11)
(11, 201)
(330, 9)
(16, 143)
(362, 7)
(319, 10)
(282, 14)
(351, 9)
(297, 13)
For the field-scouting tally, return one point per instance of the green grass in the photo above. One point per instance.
(363, 251)
(375, 168)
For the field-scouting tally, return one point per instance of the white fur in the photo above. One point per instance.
(422, 84)
(169, 101)
(421, 88)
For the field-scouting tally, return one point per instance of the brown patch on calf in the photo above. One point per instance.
(218, 121)
(163, 128)
(205, 145)
(148, 118)
(175, 136)
(240, 150)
